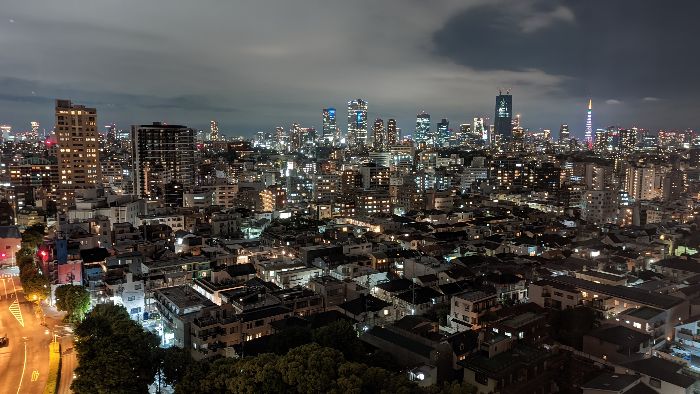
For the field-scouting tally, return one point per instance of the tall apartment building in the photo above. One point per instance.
(599, 206)
(78, 148)
(162, 155)
(643, 183)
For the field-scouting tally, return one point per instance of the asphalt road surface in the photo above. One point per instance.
(24, 363)
(69, 362)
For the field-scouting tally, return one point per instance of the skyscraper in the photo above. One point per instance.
(392, 132)
(564, 134)
(35, 129)
(423, 134)
(330, 128)
(357, 123)
(214, 131)
(479, 130)
(589, 126)
(163, 156)
(443, 133)
(503, 124)
(78, 148)
(379, 133)
(464, 135)
(600, 144)
(628, 140)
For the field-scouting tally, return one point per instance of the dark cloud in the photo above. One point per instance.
(256, 64)
(623, 48)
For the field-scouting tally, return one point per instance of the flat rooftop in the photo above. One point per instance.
(644, 312)
(656, 300)
(183, 297)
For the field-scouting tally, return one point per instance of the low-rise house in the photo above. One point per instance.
(608, 301)
(662, 375)
(333, 291)
(469, 307)
(616, 344)
(178, 306)
(217, 331)
(509, 287)
(129, 292)
(417, 301)
(610, 382)
(527, 326)
(368, 310)
(521, 369)
(411, 350)
(647, 320)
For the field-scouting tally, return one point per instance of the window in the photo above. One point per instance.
(131, 298)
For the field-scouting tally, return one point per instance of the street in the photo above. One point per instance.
(25, 361)
(68, 364)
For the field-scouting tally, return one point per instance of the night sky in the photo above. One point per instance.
(256, 64)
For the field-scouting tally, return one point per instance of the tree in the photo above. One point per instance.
(282, 342)
(115, 354)
(452, 388)
(359, 378)
(35, 286)
(174, 363)
(310, 368)
(33, 236)
(340, 335)
(75, 300)
(305, 369)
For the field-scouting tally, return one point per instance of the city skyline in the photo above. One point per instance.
(262, 79)
(400, 196)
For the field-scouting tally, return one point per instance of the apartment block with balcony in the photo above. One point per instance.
(469, 307)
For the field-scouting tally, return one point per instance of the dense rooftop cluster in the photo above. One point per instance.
(513, 264)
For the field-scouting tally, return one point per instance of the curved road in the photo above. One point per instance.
(25, 361)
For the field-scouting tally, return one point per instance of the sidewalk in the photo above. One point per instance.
(52, 314)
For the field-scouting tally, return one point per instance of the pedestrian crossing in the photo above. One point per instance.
(17, 312)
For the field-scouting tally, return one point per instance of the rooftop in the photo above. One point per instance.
(501, 363)
(521, 320)
(611, 382)
(681, 264)
(644, 313)
(620, 335)
(402, 341)
(661, 369)
(183, 297)
(364, 304)
(655, 300)
(474, 295)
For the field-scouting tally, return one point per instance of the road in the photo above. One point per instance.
(68, 364)
(25, 362)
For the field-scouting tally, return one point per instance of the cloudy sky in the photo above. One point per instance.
(256, 64)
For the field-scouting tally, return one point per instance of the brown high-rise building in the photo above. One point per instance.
(78, 148)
